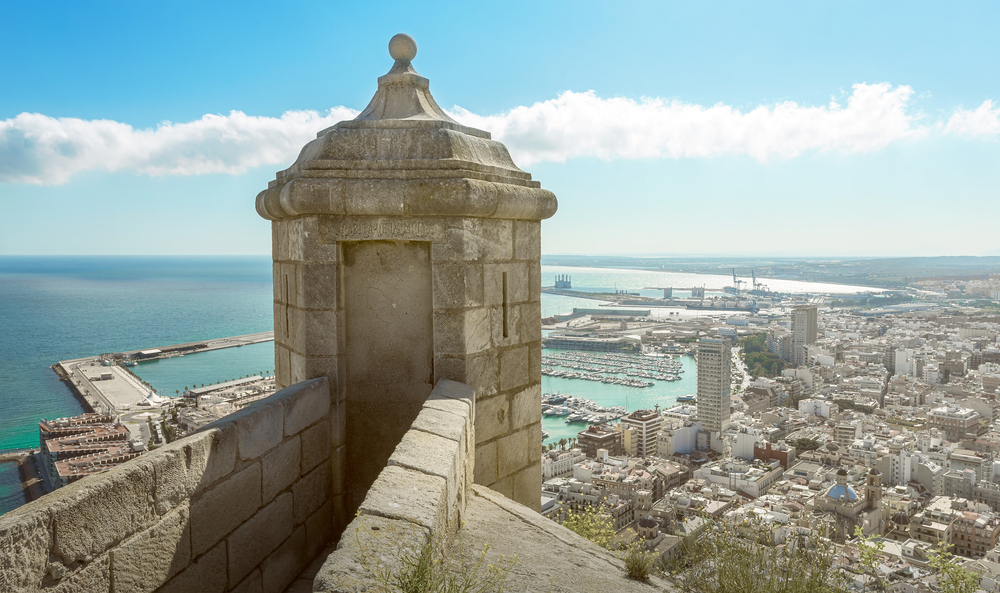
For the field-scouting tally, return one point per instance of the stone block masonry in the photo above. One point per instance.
(420, 495)
(406, 250)
(243, 504)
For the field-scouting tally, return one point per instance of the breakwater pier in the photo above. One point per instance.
(102, 383)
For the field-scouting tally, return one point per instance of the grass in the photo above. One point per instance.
(427, 568)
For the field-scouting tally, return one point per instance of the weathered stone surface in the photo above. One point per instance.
(308, 404)
(221, 509)
(280, 468)
(504, 486)
(187, 466)
(400, 493)
(486, 471)
(529, 316)
(280, 568)
(513, 368)
(311, 492)
(433, 455)
(445, 424)
(535, 361)
(457, 285)
(535, 281)
(313, 331)
(479, 371)
(150, 558)
(94, 577)
(389, 360)
(369, 542)
(258, 537)
(526, 407)
(207, 574)
(91, 515)
(24, 548)
(517, 283)
(259, 428)
(316, 446)
(527, 240)
(528, 486)
(492, 417)
(462, 331)
(550, 557)
(251, 584)
(319, 529)
(511, 324)
(515, 450)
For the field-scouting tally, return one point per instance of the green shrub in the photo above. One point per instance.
(740, 558)
(591, 524)
(638, 562)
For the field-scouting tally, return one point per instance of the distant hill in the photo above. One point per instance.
(892, 272)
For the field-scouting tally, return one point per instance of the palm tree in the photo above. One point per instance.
(562, 443)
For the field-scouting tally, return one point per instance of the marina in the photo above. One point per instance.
(570, 393)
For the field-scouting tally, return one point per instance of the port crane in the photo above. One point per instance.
(758, 287)
(737, 282)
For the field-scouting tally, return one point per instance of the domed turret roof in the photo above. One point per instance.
(900, 518)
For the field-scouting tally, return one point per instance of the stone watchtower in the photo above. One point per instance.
(406, 250)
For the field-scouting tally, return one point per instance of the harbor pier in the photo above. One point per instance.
(114, 388)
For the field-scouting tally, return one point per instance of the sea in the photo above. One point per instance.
(60, 308)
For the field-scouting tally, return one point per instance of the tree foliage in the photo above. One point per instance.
(760, 362)
(952, 576)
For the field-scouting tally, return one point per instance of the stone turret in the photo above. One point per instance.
(406, 250)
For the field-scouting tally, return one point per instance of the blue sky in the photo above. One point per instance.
(794, 128)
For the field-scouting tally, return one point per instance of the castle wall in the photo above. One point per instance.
(243, 504)
(419, 497)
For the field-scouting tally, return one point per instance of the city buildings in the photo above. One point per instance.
(645, 425)
(76, 447)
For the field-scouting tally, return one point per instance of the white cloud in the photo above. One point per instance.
(982, 121)
(583, 124)
(39, 149)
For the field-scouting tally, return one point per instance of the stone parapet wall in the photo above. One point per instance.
(420, 495)
(242, 505)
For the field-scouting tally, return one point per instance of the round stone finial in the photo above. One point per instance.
(402, 47)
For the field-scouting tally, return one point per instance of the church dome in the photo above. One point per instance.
(900, 518)
(842, 492)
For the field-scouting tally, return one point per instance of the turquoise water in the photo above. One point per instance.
(58, 308)
(171, 376)
(664, 393)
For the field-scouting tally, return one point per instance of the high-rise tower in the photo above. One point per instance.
(803, 331)
(713, 383)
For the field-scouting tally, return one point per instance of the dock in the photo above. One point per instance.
(115, 388)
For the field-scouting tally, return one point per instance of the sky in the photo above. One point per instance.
(812, 129)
